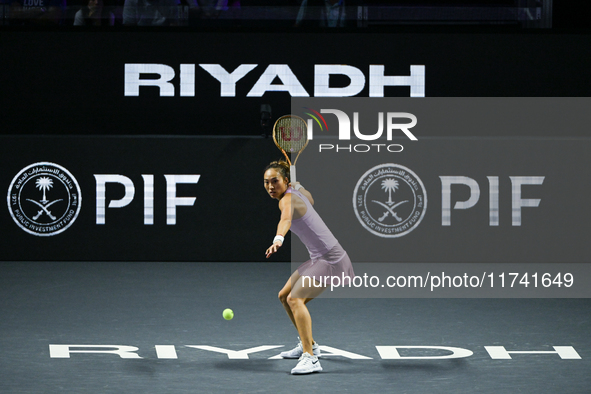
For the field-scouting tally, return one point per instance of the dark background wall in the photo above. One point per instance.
(64, 103)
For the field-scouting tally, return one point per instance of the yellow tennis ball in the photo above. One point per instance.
(228, 314)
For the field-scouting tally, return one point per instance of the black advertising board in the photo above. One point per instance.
(136, 198)
(76, 82)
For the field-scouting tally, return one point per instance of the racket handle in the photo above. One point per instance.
(292, 174)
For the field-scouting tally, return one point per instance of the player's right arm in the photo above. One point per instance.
(284, 223)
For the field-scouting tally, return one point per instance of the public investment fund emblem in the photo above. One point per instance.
(390, 200)
(44, 199)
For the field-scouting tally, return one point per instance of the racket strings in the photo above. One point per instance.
(291, 134)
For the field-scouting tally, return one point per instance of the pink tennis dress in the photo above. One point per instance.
(327, 256)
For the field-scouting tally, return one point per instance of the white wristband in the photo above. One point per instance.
(278, 238)
(298, 186)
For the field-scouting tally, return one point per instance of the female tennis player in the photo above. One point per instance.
(327, 259)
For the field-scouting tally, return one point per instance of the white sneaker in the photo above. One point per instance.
(307, 364)
(298, 350)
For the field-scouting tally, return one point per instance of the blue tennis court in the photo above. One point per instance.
(74, 327)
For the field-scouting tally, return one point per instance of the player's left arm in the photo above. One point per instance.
(304, 191)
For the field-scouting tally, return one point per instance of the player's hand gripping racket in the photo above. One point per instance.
(290, 134)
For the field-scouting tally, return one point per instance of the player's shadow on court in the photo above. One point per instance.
(344, 366)
(285, 366)
(251, 365)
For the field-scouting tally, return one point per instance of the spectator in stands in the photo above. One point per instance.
(150, 12)
(209, 12)
(324, 13)
(95, 14)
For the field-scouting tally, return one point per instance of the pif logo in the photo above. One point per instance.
(390, 200)
(44, 199)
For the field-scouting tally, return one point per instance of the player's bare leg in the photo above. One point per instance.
(284, 293)
(302, 292)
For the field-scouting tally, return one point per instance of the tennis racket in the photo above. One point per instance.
(290, 134)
